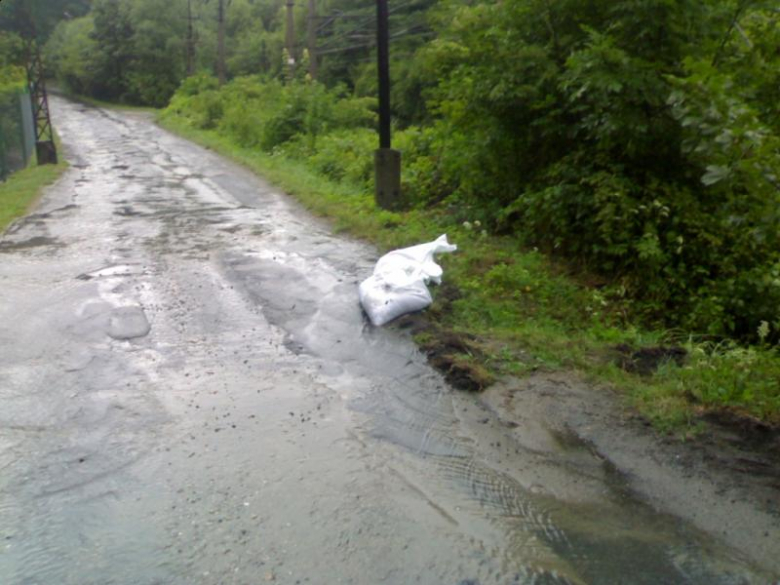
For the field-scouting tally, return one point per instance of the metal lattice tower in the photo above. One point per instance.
(45, 148)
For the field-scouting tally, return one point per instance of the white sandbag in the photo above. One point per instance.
(398, 284)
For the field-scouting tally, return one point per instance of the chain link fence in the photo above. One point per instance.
(17, 131)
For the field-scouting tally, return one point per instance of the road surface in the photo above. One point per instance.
(190, 394)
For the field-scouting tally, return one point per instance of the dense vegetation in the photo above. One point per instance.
(636, 141)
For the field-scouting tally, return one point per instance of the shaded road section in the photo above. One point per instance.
(190, 394)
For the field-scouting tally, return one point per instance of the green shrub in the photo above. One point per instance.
(268, 114)
(346, 155)
(656, 165)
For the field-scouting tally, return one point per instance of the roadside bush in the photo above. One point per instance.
(423, 183)
(269, 114)
(248, 103)
(196, 84)
(346, 155)
(12, 78)
(655, 163)
(204, 110)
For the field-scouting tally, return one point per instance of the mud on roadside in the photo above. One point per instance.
(458, 356)
(725, 480)
(726, 487)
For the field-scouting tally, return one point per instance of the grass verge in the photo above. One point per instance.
(513, 310)
(23, 188)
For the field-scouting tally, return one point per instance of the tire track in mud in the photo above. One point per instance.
(425, 425)
(546, 540)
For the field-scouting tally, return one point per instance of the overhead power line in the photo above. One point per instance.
(361, 26)
(372, 42)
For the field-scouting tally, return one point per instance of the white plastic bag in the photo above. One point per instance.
(398, 284)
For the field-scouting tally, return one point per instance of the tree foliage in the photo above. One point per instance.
(37, 18)
(637, 137)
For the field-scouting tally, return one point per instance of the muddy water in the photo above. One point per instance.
(190, 394)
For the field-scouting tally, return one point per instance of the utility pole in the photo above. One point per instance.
(45, 149)
(387, 162)
(190, 41)
(311, 37)
(221, 42)
(290, 39)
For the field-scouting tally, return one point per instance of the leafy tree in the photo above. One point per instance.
(38, 17)
(634, 136)
(73, 53)
(158, 50)
(113, 36)
(11, 49)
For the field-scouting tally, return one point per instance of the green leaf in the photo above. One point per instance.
(715, 174)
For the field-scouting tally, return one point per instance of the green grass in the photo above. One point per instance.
(528, 312)
(22, 189)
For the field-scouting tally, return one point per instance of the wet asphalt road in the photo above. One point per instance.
(190, 394)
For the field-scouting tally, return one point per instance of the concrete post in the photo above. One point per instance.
(46, 152)
(387, 178)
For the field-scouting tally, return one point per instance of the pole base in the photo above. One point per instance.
(387, 178)
(46, 152)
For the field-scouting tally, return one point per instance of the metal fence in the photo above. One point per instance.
(17, 131)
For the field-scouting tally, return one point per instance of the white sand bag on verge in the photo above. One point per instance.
(398, 284)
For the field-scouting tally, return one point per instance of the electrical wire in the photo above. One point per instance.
(332, 40)
(412, 32)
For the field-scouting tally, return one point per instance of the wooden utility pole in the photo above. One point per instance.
(290, 39)
(383, 67)
(221, 76)
(311, 38)
(387, 162)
